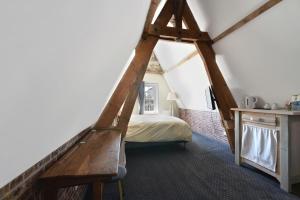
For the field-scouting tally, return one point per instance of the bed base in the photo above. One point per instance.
(130, 145)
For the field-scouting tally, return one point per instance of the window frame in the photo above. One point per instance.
(156, 100)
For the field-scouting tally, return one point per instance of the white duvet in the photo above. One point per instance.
(157, 128)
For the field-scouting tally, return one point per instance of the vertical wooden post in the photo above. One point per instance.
(285, 155)
(49, 193)
(178, 10)
(97, 190)
(238, 131)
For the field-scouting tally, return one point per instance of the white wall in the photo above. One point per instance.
(59, 60)
(189, 80)
(215, 16)
(260, 59)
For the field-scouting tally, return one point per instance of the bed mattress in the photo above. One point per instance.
(157, 128)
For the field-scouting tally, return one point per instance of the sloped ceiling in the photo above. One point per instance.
(59, 60)
(215, 16)
(259, 59)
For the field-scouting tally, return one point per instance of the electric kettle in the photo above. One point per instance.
(250, 102)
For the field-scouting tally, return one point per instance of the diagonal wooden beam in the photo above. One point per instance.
(189, 20)
(153, 7)
(224, 98)
(184, 60)
(247, 19)
(137, 66)
(127, 109)
(129, 105)
(165, 15)
(238, 25)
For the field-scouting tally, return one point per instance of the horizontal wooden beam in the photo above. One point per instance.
(247, 19)
(184, 34)
(175, 40)
(150, 71)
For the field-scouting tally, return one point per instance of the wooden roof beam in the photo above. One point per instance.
(136, 69)
(153, 7)
(236, 26)
(269, 4)
(224, 98)
(128, 86)
(178, 12)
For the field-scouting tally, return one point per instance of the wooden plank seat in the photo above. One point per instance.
(94, 160)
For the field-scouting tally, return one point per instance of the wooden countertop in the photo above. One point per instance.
(95, 156)
(277, 112)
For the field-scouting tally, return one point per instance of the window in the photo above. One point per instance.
(151, 98)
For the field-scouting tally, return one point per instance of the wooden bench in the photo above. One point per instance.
(93, 160)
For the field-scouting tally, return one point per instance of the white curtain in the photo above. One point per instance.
(141, 97)
(260, 145)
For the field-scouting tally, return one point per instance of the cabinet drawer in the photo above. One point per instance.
(259, 118)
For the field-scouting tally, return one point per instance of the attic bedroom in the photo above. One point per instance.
(149, 100)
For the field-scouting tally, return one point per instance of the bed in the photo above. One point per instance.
(157, 128)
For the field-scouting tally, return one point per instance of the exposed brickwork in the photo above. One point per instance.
(25, 187)
(204, 122)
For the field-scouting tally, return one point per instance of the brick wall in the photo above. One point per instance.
(25, 185)
(207, 123)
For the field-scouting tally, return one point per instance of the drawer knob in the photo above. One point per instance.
(261, 120)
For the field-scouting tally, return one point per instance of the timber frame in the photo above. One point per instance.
(117, 112)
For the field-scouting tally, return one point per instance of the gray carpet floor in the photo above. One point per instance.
(205, 170)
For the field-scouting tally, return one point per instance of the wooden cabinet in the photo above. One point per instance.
(287, 125)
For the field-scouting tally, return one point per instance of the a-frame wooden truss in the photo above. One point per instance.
(121, 103)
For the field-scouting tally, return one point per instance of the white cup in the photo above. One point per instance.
(267, 106)
(274, 106)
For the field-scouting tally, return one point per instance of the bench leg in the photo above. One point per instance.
(121, 190)
(97, 190)
(49, 194)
